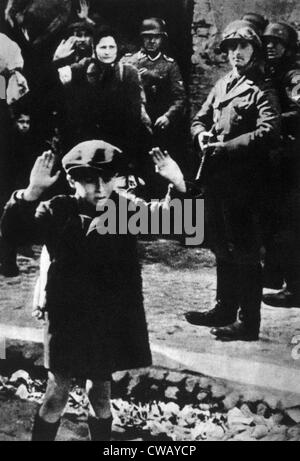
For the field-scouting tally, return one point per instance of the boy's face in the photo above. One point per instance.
(23, 123)
(94, 187)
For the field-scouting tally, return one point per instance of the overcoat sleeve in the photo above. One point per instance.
(203, 120)
(267, 130)
(178, 95)
(26, 222)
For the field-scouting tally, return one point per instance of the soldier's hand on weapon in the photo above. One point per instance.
(218, 149)
(166, 167)
(162, 122)
(203, 140)
(65, 49)
(41, 177)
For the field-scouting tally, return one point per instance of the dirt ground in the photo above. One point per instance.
(176, 279)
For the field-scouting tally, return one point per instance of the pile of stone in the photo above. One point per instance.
(161, 405)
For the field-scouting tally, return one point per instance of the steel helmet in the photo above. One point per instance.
(240, 30)
(154, 26)
(282, 31)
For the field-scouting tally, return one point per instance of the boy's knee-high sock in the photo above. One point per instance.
(43, 431)
(100, 429)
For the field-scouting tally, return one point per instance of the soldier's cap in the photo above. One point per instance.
(240, 30)
(282, 31)
(96, 155)
(82, 24)
(154, 26)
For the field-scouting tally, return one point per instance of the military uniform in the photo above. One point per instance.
(164, 95)
(283, 251)
(242, 113)
(282, 261)
(163, 85)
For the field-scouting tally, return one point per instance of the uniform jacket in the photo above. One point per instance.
(244, 114)
(286, 81)
(163, 85)
(94, 290)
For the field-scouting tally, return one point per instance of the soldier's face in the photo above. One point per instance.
(152, 43)
(240, 53)
(275, 49)
(94, 188)
(107, 50)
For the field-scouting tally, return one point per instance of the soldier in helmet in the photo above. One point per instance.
(234, 129)
(162, 82)
(282, 261)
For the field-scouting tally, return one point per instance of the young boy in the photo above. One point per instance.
(94, 302)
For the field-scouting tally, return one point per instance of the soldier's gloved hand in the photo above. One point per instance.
(162, 122)
(203, 140)
(168, 168)
(219, 150)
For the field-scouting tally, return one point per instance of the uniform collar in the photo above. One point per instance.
(240, 87)
(155, 58)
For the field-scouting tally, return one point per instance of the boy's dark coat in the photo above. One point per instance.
(94, 290)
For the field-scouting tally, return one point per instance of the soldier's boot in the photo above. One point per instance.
(289, 296)
(246, 328)
(225, 311)
(43, 431)
(100, 429)
(272, 270)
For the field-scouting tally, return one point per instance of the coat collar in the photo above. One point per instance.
(240, 87)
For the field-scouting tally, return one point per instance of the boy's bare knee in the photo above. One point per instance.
(56, 397)
(99, 393)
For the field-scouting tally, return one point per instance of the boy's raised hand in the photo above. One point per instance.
(168, 168)
(41, 177)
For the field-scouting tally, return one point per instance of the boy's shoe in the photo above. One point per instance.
(100, 429)
(216, 317)
(43, 431)
(283, 298)
(9, 270)
(238, 331)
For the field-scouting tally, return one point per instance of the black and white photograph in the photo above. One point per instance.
(149, 223)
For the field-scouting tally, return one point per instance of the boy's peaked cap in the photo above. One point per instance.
(94, 154)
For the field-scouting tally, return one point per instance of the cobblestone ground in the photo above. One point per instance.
(176, 279)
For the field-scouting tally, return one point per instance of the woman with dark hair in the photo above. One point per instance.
(108, 102)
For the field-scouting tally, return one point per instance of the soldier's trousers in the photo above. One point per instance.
(239, 289)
